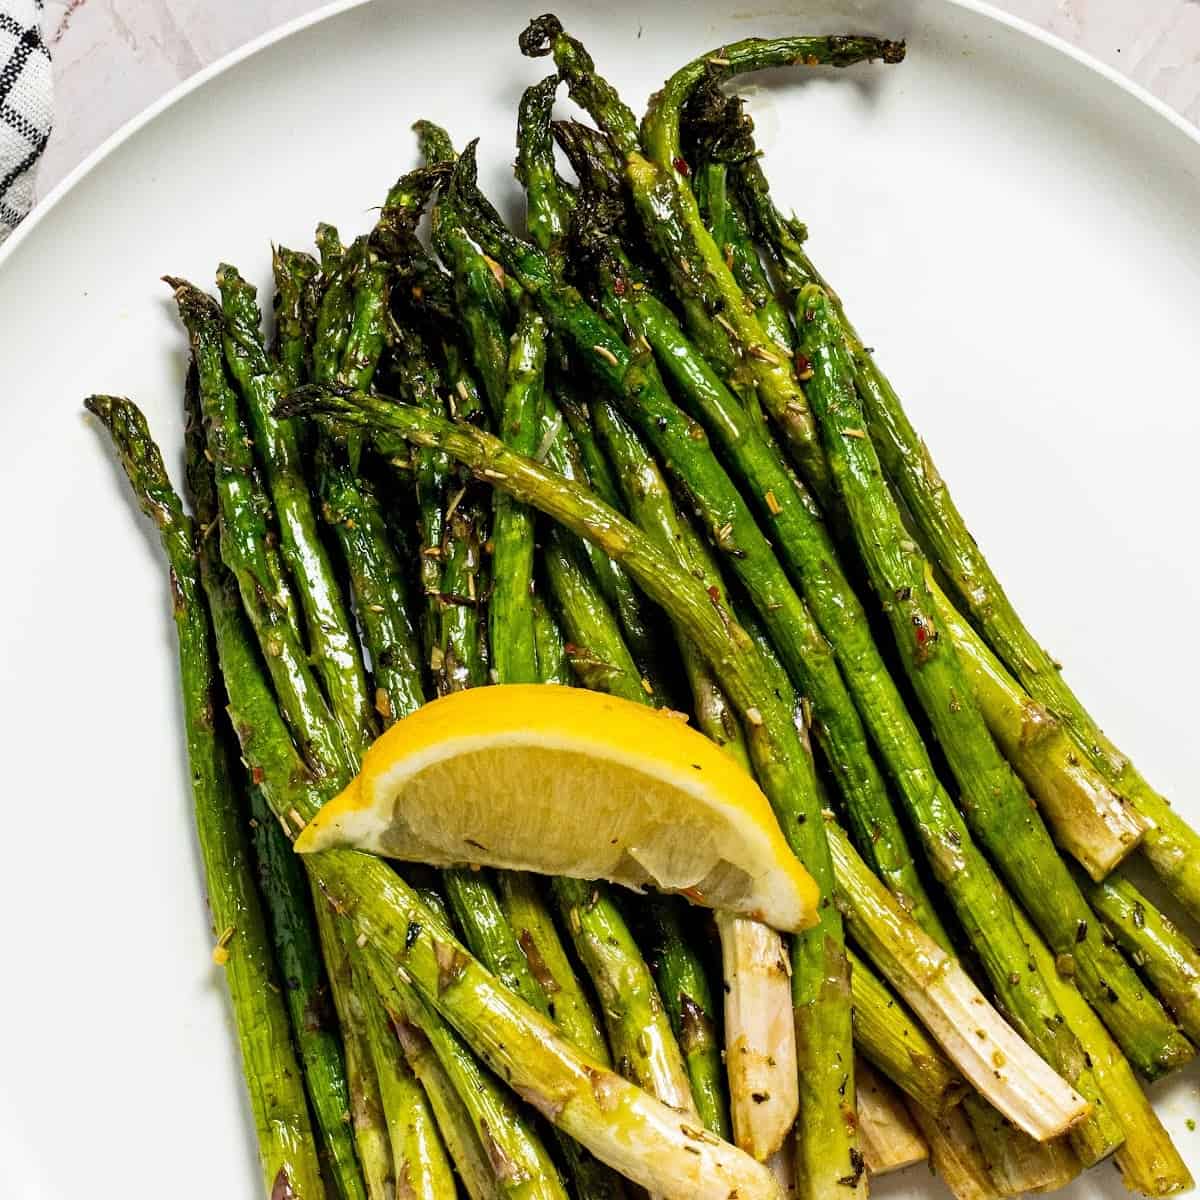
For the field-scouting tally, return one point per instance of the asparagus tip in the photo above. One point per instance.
(537, 38)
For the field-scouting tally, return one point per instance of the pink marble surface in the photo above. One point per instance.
(112, 58)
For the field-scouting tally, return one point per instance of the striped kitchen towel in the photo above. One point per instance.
(25, 106)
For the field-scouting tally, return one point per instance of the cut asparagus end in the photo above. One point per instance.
(1090, 820)
(954, 1153)
(887, 1134)
(760, 1035)
(974, 1036)
(1016, 1163)
(647, 1141)
(888, 1037)
(1148, 1160)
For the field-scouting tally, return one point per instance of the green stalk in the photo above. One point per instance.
(288, 902)
(1155, 943)
(563, 998)
(331, 640)
(617, 1121)
(371, 1135)
(1090, 820)
(1171, 845)
(547, 213)
(723, 215)
(453, 1119)
(1031, 1094)
(760, 1039)
(420, 1163)
(336, 310)
(286, 1148)
(487, 933)
(247, 542)
(461, 656)
(296, 275)
(805, 549)
(353, 512)
(599, 660)
(510, 612)
(1148, 1160)
(552, 663)
(995, 803)
(643, 1046)
(886, 1035)
(380, 589)
(639, 1031)
(671, 221)
(683, 985)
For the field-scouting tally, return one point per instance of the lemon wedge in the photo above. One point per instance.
(565, 781)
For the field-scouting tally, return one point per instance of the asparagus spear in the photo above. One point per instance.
(683, 985)
(888, 1037)
(621, 1124)
(1017, 1164)
(958, 863)
(1171, 845)
(806, 550)
(671, 221)
(288, 906)
(293, 791)
(939, 991)
(454, 1121)
(265, 592)
(521, 1168)
(643, 1046)
(995, 803)
(286, 1148)
(1155, 943)
(639, 1032)
(552, 663)
(890, 1139)
(288, 903)
(624, 1126)
(761, 1056)
(564, 999)
(296, 276)
(760, 1040)
(954, 1154)
(482, 300)
(376, 577)
(721, 210)
(245, 543)
(885, 1035)
(371, 1133)
(1148, 1161)
(330, 638)
(486, 931)
(1090, 820)
(511, 610)
(461, 662)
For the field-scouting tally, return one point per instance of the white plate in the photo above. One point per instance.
(1013, 227)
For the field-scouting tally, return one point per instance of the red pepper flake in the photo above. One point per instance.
(256, 775)
(804, 367)
(714, 594)
(682, 167)
(619, 286)
(922, 635)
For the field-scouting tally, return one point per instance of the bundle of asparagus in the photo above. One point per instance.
(641, 450)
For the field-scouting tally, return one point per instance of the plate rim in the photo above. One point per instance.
(1135, 91)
